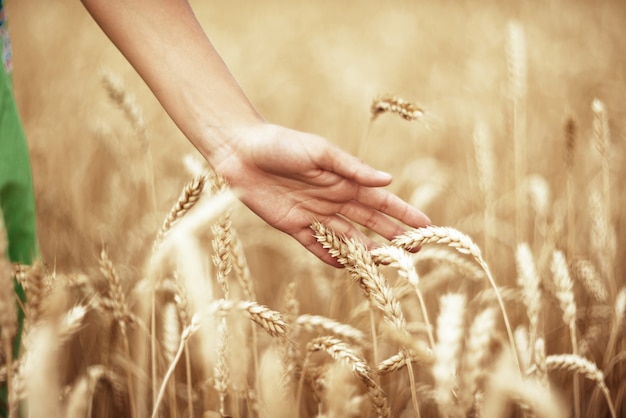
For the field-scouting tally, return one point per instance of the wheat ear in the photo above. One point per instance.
(271, 321)
(565, 295)
(449, 335)
(590, 278)
(570, 131)
(188, 198)
(415, 238)
(328, 326)
(222, 252)
(392, 104)
(580, 365)
(475, 353)
(359, 263)
(529, 281)
(120, 312)
(517, 66)
(221, 371)
(401, 259)
(340, 351)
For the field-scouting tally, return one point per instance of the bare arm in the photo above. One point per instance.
(288, 178)
(165, 43)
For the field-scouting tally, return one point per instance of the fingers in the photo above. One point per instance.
(350, 167)
(372, 220)
(387, 203)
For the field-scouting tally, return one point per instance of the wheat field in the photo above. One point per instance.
(158, 294)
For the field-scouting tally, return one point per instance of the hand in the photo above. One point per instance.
(291, 179)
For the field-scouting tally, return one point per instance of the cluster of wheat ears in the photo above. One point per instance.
(426, 333)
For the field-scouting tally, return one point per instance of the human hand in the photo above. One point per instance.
(291, 179)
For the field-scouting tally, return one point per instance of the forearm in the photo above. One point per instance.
(165, 43)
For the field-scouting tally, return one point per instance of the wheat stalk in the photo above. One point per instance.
(222, 251)
(619, 312)
(539, 361)
(221, 371)
(565, 295)
(517, 68)
(342, 398)
(449, 334)
(340, 351)
(484, 155)
(564, 290)
(474, 355)
(451, 258)
(120, 313)
(241, 268)
(71, 322)
(402, 358)
(289, 354)
(184, 313)
(80, 400)
(415, 238)
(186, 334)
(271, 321)
(327, 326)
(529, 281)
(570, 131)
(591, 280)
(399, 258)
(126, 101)
(188, 198)
(359, 263)
(580, 365)
(406, 110)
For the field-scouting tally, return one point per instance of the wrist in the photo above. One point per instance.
(229, 148)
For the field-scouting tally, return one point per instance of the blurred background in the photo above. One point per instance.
(316, 66)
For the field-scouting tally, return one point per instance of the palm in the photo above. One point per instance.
(291, 179)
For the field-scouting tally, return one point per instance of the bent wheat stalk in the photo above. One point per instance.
(340, 351)
(451, 237)
(577, 364)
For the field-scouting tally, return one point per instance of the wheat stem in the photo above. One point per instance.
(415, 238)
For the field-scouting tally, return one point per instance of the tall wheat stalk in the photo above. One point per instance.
(570, 154)
(133, 113)
(565, 295)
(359, 263)
(485, 158)
(415, 238)
(517, 67)
(449, 335)
(120, 312)
(577, 364)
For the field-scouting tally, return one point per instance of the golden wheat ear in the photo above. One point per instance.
(392, 104)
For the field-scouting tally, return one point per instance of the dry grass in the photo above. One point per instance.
(159, 296)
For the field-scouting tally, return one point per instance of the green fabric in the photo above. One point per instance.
(16, 187)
